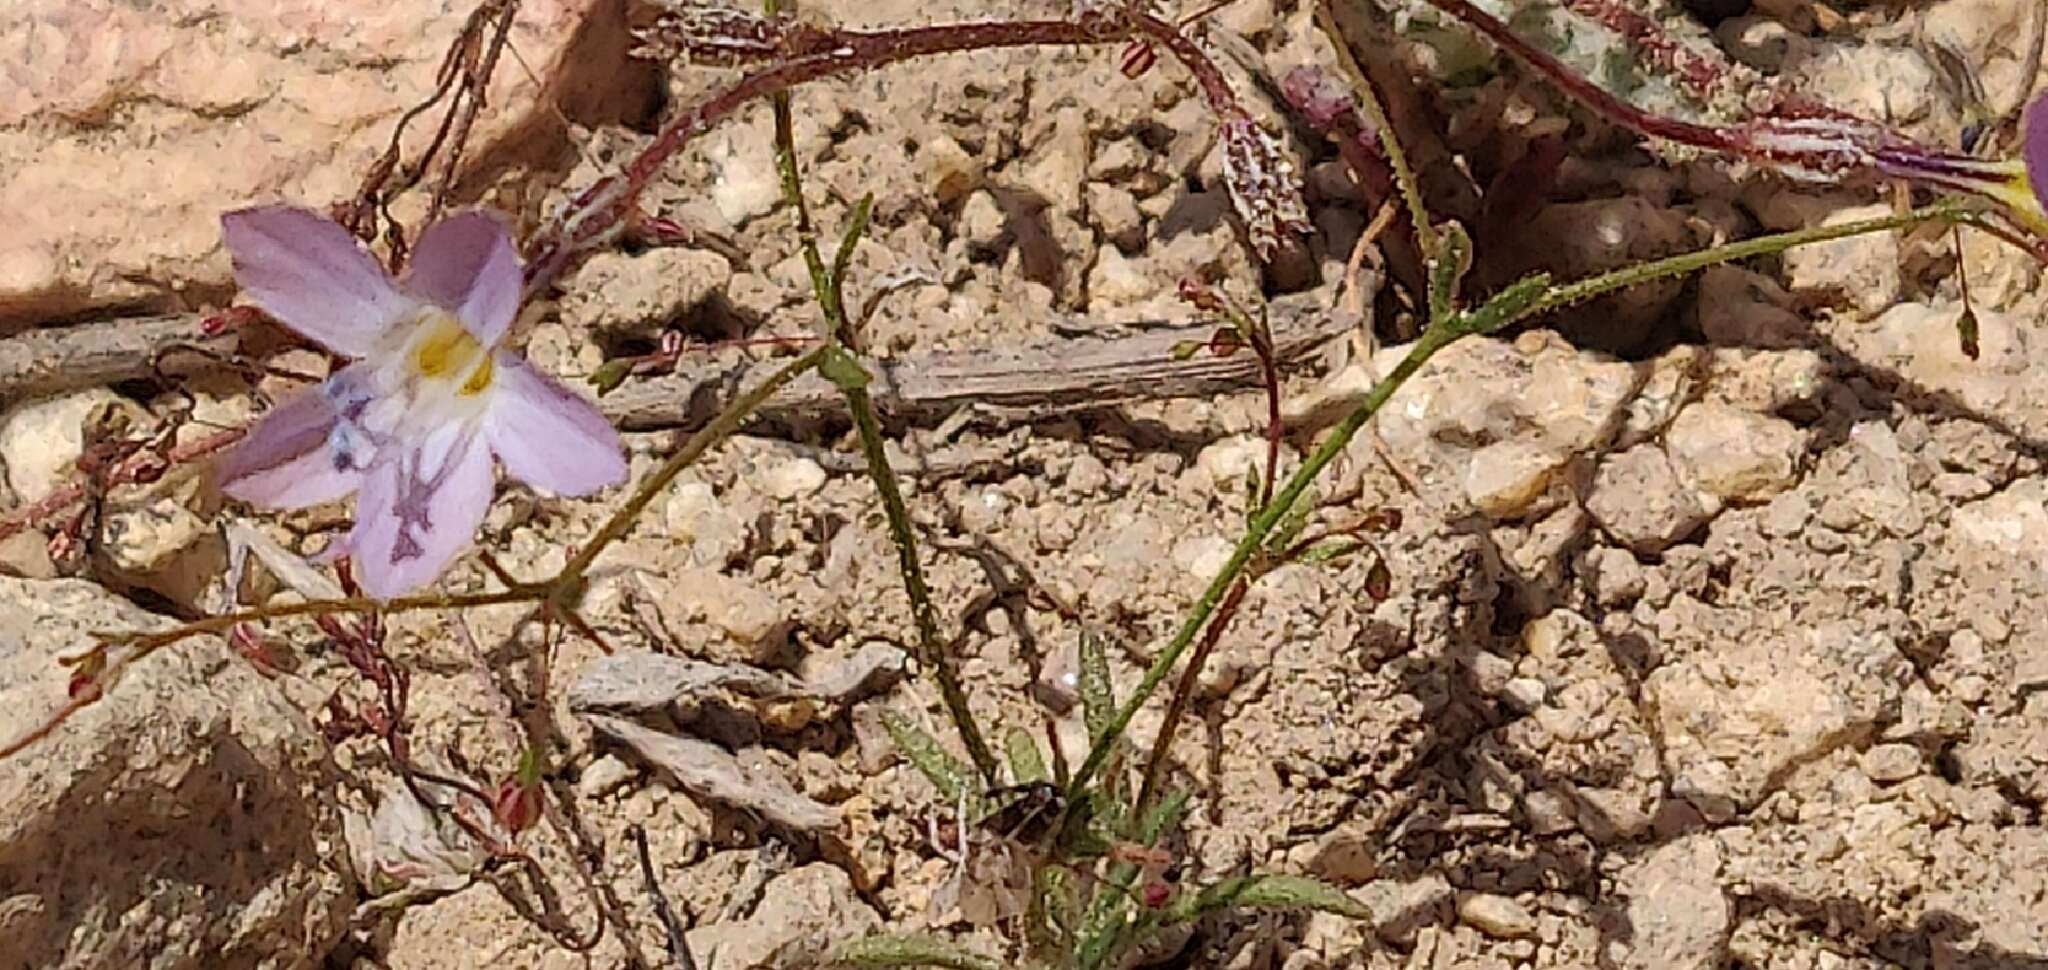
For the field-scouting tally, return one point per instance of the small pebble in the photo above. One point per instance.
(1890, 763)
(1524, 694)
(603, 777)
(1497, 916)
(792, 478)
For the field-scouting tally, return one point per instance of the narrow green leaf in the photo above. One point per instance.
(844, 369)
(911, 951)
(1267, 892)
(1323, 552)
(947, 774)
(855, 229)
(1294, 523)
(1105, 931)
(1163, 817)
(1447, 268)
(609, 375)
(1098, 698)
(1027, 766)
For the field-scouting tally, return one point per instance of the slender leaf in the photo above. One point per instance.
(854, 230)
(952, 778)
(1098, 697)
(911, 951)
(1027, 766)
(1264, 892)
(1106, 930)
(1163, 818)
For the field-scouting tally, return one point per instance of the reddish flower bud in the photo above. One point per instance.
(516, 805)
(1138, 58)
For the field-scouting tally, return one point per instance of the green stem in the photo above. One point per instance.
(1437, 336)
(727, 422)
(1680, 265)
(1432, 340)
(826, 284)
(1376, 112)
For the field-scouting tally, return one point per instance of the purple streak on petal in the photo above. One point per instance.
(549, 436)
(467, 265)
(2034, 146)
(418, 509)
(285, 462)
(308, 272)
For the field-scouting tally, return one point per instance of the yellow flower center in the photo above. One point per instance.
(443, 350)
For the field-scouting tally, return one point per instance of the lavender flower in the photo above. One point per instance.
(412, 425)
(2034, 148)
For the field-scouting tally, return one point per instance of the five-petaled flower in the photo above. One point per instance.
(411, 426)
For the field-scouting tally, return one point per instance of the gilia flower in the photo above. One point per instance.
(412, 425)
(2034, 149)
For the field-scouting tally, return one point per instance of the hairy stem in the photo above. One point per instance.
(828, 286)
(1376, 114)
(1437, 336)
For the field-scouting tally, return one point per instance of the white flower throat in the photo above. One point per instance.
(428, 375)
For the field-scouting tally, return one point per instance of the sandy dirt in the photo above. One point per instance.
(1714, 637)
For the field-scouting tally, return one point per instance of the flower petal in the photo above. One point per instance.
(286, 461)
(549, 436)
(418, 509)
(468, 266)
(307, 271)
(2034, 146)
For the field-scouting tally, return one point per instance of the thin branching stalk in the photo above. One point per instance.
(1376, 114)
(828, 286)
(816, 53)
(727, 422)
(1509, 307)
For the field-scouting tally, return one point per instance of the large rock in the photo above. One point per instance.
(126, 128)
(181, 822)
(1736, 721)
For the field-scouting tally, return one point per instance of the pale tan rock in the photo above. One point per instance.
(1734, 455)
(41, 440)
(156, 537)
(186, 820)
(1638, 498)
(1677, 915)
(619, 294)
(1918, 342)
(2008, 526)
(1506, 478)
(217, 104)
(26, 554)
(1345, 855)
(813, 908)
(1864, 270)
(753, 623)
(1740, 308)
(1497, 916)
(787, 477)
(1551, 400)
(1734, 721)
